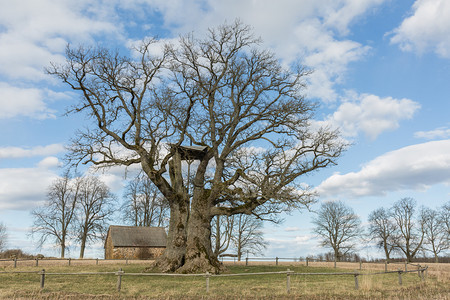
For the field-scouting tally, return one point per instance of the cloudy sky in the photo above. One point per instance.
(381, 74)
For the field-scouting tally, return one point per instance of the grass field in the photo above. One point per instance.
(386, 286)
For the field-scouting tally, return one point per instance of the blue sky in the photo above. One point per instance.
(381, 75)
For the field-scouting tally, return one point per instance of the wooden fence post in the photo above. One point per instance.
(97, 262)
(207, 281)
(356, 282)
(119, 279)
(307, 261)
(400, 277)
(42, 278)
(246, 261)
(288, 281)
(69, 261)
(276, 261)
(37, 262)
(15, 262)
(335, 262)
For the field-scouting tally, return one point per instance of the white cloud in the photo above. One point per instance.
(25, 188)
(288, 229)
(292, 246)
(36, 32)
(49, 162)
(427, 29)
(415, 167)
(17, 152)
(28, 102)
(370, 114)
(311, 31)
(438, 133)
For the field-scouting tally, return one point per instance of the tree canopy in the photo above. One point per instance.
(226, 95)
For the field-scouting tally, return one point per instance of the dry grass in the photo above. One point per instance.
(26, 286)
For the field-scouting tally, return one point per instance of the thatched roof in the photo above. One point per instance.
(137, 236)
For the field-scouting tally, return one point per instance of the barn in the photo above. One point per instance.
(134, 242)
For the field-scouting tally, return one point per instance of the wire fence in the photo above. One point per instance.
(307, 261)
(288, 273)
(15, 262)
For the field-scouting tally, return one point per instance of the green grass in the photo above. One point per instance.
(241, 287)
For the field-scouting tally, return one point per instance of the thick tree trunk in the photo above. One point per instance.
(199, 255)
(337, 256)
(174, 255)
(63, 248)
(386, 252)
(82, 247)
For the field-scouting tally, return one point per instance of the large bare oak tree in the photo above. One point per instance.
(243, 113)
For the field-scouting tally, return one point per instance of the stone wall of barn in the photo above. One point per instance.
(136, 252)
(131, 252)
(108, 247)
(112, 252)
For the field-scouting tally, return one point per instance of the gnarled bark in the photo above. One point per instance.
(199, 254)
(174, 255)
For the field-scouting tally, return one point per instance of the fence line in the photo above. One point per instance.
(306, 260)
(208, 275)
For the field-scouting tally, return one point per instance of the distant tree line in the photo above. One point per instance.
(80, 208)
(402, 229)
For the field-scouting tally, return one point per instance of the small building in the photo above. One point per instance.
(134, 242)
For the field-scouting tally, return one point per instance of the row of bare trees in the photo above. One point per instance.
(77, 208)
(402, 229)
(406, 230)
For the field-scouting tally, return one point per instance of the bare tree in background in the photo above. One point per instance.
(144, 205)
(445, 218)
(338, 227)
(222, 230)
(382, 230)
(3, 237)
(248, 235)
(409, 233)
(95, 208)
(243, 233)
(225, 95)
(436, 239)
(55, 218)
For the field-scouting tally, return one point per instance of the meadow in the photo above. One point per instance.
(273, 286)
